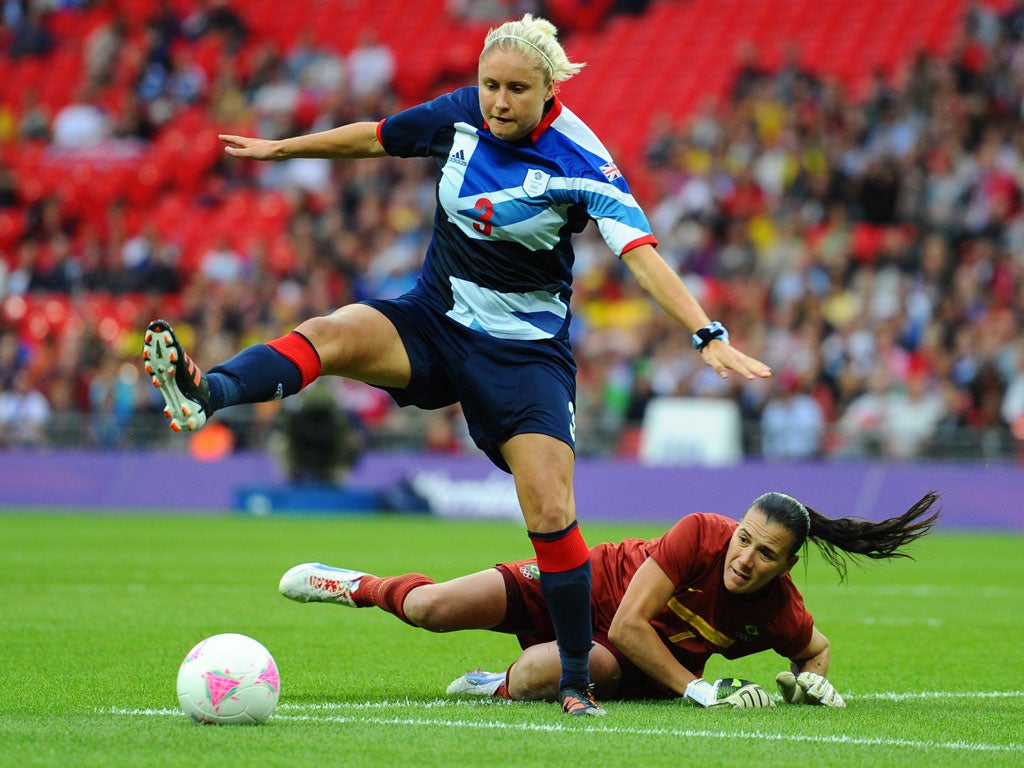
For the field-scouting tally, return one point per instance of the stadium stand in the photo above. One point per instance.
(780, 147)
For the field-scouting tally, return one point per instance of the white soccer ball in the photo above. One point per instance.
(229, 679)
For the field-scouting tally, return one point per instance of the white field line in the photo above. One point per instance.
(937, 695)
(302, 714)
(761, 736)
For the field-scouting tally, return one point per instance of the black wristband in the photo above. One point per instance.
(709, 333)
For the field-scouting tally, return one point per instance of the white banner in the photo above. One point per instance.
(689, 430)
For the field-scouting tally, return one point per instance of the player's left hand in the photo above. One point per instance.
(248, 147)
(725, 357)
(808, 688)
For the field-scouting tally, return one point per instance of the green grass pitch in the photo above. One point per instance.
(97, 611)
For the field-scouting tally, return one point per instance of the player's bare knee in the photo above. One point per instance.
(544, 514)
(322, 332)
(531, 680)
(426, 609)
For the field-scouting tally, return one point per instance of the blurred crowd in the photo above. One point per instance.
(869, 247)
(870, 250)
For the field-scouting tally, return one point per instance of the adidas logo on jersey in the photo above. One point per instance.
(459, 158)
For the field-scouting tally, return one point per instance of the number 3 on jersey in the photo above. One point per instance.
(486, 209)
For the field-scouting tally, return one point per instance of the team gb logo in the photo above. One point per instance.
(536, 182)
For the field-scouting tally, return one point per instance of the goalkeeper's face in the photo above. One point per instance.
(758, 553)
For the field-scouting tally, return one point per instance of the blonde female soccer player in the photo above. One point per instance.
(487, 323)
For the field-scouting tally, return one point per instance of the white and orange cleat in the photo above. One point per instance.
(184, 387)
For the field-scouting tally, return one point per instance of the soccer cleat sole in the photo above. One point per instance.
(160, 358)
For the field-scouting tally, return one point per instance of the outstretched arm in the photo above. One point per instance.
(343, 143)
(666, 287)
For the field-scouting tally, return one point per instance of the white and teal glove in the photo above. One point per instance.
(730, 691)
(808, 688)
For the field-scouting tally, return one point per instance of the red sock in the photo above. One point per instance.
(560, 551)
(389, 593)
(297, 348)
(502, 690)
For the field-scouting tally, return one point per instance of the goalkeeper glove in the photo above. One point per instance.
(808, 688)
(741, 694)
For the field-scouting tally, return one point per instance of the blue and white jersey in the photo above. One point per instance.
(500, 259)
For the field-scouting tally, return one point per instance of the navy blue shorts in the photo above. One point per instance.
(506, 387)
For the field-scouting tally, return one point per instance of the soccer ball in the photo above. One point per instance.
(228, 679)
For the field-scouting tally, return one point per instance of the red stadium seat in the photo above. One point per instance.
(170, 214)
(62, 80)
(12, 225)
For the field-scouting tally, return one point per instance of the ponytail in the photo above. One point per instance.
(838, 538)
(844, 536)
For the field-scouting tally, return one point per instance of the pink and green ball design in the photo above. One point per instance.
(219, 686)
(270, 677)
(222, 685)
(229, 678)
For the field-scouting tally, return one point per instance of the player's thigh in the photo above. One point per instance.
(358, 342)
(475, 601)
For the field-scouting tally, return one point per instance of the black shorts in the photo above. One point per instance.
(506, 387)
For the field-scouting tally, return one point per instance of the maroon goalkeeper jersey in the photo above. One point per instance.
(702, 618)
